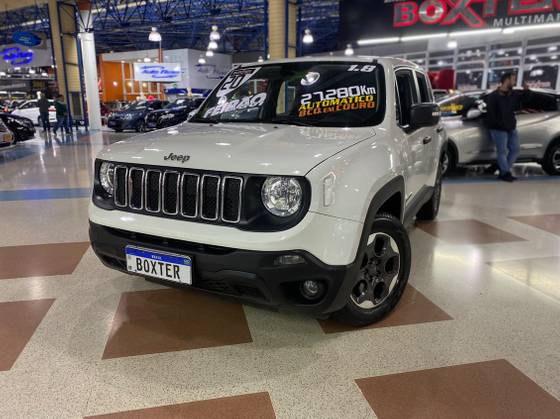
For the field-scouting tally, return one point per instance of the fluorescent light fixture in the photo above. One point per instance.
(201, 60)
(374, 41)
(532, 28)
(554, 57)
(349, 50)
(154, 35)
(214, 35)
(212, 45)
(552, 48)
(147, 60)
(474, 32)
(452, 44)
(209, 53)
(260, 60)
(420, 37)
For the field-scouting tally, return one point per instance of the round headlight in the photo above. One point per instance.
(281, 195)
(106, 176)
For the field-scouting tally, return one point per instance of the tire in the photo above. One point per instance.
(551, 161)
(449, 161)
(384, 259)
(141, 126)
(118, 130)
(430, 209)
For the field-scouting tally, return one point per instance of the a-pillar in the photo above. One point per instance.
(63, 25)
(282, 32)
(89, 61)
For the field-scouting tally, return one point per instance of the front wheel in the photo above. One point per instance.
(141, 126)
(551, 161)
(384, 269)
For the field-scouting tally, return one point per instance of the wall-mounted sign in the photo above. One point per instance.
(16, 57)
(358, 20)
(158, 72)
(29, 39)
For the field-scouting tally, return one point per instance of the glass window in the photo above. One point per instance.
(542, 76)
(469, 80)
(304, 93)
(407, 95)
(495, 75)
(539, 102)
(424, 86)
(457, 105)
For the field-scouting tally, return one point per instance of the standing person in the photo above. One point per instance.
(501, 105)
(44, 106)
(61, 114)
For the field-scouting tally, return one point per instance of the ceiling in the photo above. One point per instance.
(123, 25)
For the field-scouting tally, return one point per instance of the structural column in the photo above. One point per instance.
(282, 24)
(89, 61)
(65, 48)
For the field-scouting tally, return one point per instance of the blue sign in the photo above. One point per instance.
(29, 39)
(16, 57)
(164, 72)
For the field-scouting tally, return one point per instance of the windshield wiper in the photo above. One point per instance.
(289, 121)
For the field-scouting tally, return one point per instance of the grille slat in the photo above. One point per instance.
(177, 194)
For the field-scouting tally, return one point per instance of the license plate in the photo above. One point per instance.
(162, 265)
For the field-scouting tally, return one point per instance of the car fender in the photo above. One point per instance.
(359, 173)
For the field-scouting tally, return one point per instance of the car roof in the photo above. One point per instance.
(389, 61)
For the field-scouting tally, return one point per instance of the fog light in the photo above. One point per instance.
(288, 260)
(312, 290)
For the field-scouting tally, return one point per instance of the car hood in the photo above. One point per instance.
(241, 148)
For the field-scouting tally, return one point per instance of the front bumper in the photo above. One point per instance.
(122, 124)
(249, 275)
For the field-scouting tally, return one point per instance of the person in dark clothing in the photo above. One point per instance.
(501, 106)
(44, 106)
(61, 114)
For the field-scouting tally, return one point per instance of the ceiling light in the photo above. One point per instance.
(308, 37)
(452, 44)
(31, 71)
(260, 60)
(473, 33)
(532, 28)
(374, 41)
(212, 45)
(552, 48)
(2, 73)
(209, 53)
(154, 35)
(554, 57)
(147, 60)
(115, 84)
(201, 60)
(349, 50)
(214, 35)
(420, 37)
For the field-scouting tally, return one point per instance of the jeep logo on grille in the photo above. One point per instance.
(177, 157)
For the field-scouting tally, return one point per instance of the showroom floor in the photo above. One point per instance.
(477, 333)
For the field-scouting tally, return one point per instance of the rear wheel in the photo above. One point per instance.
(551, 161)
(384, 270)
(448, 161)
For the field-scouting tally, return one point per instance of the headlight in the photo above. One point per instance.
(106, 176)
(128, 116)
(281, 196)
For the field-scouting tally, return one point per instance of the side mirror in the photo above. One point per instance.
(424, 115)
(473, 113)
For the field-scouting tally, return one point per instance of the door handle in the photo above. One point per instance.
(427, 140)
(439, 129)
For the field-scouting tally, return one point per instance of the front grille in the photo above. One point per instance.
(179, 194)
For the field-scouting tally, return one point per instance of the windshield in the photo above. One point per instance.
(335, 94)
(136, 105)
(176, 103)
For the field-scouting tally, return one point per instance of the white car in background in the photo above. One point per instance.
(30, 109)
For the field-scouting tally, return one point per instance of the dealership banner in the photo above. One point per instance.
(360, 19)
(157, 72)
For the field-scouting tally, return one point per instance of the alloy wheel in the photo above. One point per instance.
(556, 159)
(379, 273)
(445, 163)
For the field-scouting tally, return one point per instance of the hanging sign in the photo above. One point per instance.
(29, 39)
(157, 72)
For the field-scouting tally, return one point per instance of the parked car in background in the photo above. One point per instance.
(133, 116)
(440, 94)
(30, 109)
(7, 139)
(22, 128)
(174, 113)
(538, 125)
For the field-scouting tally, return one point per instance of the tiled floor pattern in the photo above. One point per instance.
(40, 259)
(18, 321)
(167, 320)
(546, 222)
(493, 389)
(476, 333)
(249, 406)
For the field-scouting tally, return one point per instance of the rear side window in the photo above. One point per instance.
(457, 105)
(425, 88)
(408, 96)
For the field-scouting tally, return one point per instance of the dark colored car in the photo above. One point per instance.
(174, 113)
(133, 116)
(22, 128)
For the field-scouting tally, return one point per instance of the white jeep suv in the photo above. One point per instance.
(289, 187)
